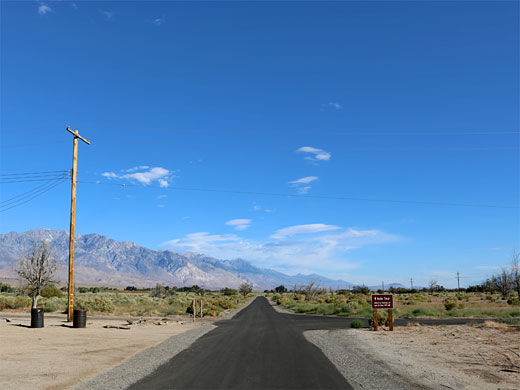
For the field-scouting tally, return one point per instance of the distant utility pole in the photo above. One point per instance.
(458, 280)
(383, 285)
(73, 220)
(411, 284)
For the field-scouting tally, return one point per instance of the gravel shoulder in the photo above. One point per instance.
(425, 357)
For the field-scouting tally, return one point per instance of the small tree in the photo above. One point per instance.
(37, 270)
(433, 285)
(515, 272)
(503, 282)
(311, 290)
(280, 289)
(245, 288)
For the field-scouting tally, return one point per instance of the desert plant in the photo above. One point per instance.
(245, 288)
(37, 269)
(450, 304)
(357, 324)
(51, 291)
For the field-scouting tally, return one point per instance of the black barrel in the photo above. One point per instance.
(37, 318)
(80, 318)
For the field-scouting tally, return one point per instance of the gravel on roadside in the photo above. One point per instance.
(362, 370)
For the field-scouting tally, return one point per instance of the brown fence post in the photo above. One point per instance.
(390, 320)
(375, 319)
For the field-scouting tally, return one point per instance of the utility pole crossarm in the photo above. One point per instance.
(76, 134)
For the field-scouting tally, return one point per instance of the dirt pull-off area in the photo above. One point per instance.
(483, 356)
(59, 357)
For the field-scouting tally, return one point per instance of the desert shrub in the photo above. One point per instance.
(228, 291)
(513, 301)
(51, 291)
(382, 318)
(6, 288)
(224, 303)
(450, 304)
(365, 312)
(304, 308)
(514, 313)
(461, 306)
(95, 303)
(325, 309)
(283, 300)
(421, 311)
(357, 324)
(50, 309)
(347, 308)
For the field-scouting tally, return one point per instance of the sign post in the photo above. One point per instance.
(383, 301)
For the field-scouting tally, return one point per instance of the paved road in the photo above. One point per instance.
(259, 348)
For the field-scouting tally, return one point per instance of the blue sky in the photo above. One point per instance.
(260, 129)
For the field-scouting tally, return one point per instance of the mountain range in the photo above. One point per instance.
(100, 260)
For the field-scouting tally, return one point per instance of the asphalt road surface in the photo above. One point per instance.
(259, 348)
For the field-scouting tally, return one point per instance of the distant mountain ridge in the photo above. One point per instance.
(100, 260)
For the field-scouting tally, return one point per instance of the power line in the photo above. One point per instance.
(277, 131)
(315, 196)
(26, 194)
(34, 179)
(38, 193)
(35, 173)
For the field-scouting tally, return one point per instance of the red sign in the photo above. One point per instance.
(382, 301)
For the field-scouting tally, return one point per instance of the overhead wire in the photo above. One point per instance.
(29, 197)
(329, 197)
(26, 194)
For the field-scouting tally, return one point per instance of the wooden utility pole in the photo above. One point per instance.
(458, 281)
(73, 220)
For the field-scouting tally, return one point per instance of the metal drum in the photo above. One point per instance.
(37, 318)
(80, 318)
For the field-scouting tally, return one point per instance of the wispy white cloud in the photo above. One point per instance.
(139, 168)
(162, 196)
(200, 242)
(157, 21)
(331, 105)
(303, 229)
(146, 176)
(316, 154)
(108, 15)
(315, 252)
(43, 9)
(302, 184)
(239, 224)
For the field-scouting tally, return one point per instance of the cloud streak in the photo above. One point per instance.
(315, 153)
(303, 229)
(302, 248)
(302, 184)
(43, 9)
(239, 224)
(144, 175)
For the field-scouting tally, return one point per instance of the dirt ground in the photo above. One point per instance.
(484, 356)
(58, 356)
